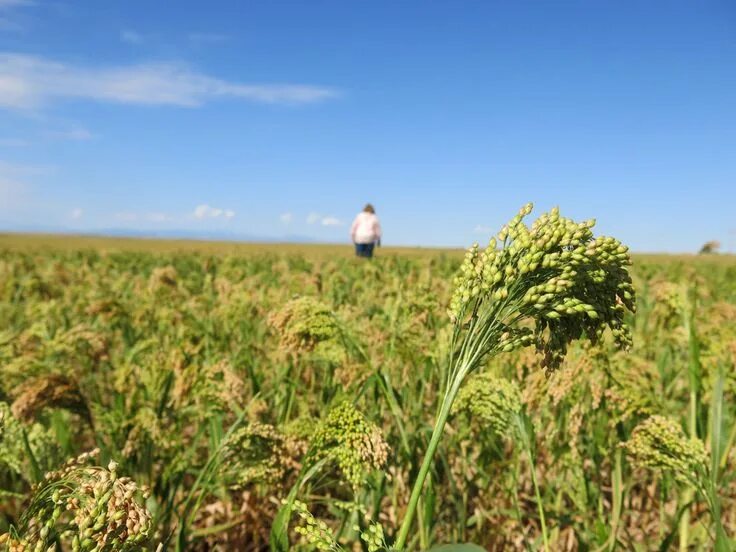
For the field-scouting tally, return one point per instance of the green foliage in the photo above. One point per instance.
(195, 368)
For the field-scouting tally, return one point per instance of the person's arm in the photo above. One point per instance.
(353, 229)
(377, 232)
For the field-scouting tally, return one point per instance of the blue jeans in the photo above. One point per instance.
(364, 250)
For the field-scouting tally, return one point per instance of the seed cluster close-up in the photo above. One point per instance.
(554, 274)
(88, 506)
(352, 442)
(660, 443)
(489, 402)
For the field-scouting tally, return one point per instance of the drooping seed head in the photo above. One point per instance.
(555, 275)
(660, 443)
(303, 323)
(355, 444)
(489, 401)
(89, 502)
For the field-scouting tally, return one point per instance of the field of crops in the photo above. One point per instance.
(286, 398)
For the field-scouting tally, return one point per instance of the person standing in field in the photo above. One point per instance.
(366, 232)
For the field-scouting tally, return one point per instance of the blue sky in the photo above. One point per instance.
(274, 119)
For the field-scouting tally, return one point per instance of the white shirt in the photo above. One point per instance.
(365, 228)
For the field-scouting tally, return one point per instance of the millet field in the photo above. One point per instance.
(546, 391)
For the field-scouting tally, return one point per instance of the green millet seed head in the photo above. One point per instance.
(374, 538)
(355, 444)
(489, 402)
(555, 275)
(91, 503)
(303, 323)
(314, 531)
(259, 453)
(660, 443)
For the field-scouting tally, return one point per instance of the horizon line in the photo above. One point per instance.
(142, 236)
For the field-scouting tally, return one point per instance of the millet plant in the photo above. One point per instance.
(545, 285)
(659, 443)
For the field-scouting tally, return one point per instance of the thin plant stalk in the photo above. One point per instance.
(526, 440)
(617, 500)
(471, 352)
(694, 381)
(434, 442)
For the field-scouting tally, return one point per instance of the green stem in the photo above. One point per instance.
(517, 507)
(694, 382)
(617, 490)
(434, 442)
(422, 533)
(710, 493)
(540, 509)
(687, 497)
(480, 339)
(727, 448)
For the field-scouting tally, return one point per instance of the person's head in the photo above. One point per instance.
(369, 208)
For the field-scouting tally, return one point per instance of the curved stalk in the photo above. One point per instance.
(434, 442)
(474, 348)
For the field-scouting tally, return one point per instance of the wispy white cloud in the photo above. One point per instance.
(76, 213)
(126, 217)
(22, 170)
(201, 39)
(316, 218)
(159, 217)
(205, 211)
(286, 218)
(30, 82)
(156, 217)
(131, 37)
(13, 143)
(75, 134)
(481, 229)
(7, 4)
